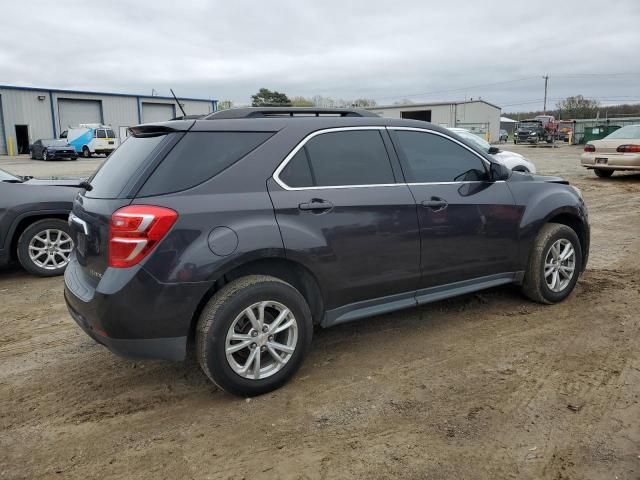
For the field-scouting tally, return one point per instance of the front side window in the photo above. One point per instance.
(433, 158)
(355, 157)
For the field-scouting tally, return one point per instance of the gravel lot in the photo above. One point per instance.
(483, 386)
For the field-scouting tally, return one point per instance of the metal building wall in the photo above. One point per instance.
(23, 107)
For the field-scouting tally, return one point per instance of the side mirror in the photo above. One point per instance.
(499, 171)
(493, 150)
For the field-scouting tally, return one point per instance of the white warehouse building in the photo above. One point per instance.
(30, 113)
(478, 116)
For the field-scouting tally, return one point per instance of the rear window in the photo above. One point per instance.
(198, 157)
(122, 164)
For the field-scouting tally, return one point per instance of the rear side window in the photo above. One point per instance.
(340, 158)
(122, 164)
(198, 157)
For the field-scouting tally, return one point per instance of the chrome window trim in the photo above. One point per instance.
(433, 132)
(287, 159)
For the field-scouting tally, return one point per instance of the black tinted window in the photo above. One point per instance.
(110, 134)
(432, 158)
(121, 166)
(349, 158)
(198, 157)
(297, 172)
(101, 134)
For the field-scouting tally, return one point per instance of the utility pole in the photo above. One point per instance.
(546, 81)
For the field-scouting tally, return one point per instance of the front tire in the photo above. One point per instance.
(602, 173)
(45, 155)
(554, 264)
(253, 335)
(45, 246)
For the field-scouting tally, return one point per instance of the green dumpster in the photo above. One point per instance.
(598, 132)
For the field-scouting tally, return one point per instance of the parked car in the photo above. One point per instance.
(33, 222)
(91, 138)
(533, 131)
(620, 150)
(513, 160)
(52, 150)
(245, 229)
(504, 136)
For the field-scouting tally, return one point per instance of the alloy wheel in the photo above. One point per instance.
(50, 249)
(559, 265)
(261, 340)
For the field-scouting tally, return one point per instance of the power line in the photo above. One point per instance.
(458, 89)
(546, 77)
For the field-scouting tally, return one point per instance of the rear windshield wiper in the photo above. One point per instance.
(86, 185)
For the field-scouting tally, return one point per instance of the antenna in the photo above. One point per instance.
(176, 98)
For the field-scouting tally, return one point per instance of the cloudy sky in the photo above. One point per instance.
(419, 50)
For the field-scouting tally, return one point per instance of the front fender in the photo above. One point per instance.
(542, 202)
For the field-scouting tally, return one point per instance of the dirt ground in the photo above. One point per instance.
(483, 386)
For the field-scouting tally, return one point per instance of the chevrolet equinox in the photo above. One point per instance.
(242, 230)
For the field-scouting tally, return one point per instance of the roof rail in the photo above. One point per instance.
(275, 112)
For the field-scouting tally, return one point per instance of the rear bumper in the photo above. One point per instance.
(131, 313)
(614, 161)
(160, 348)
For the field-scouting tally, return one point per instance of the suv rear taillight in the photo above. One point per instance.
(628, 149)
(135, 230)
(589, 148)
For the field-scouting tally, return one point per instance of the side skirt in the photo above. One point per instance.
(391, 303)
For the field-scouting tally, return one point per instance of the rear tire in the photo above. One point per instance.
(539, 284)
(33, 253)
(227, 315)
(45, 155)
(602, 173)
(86, 153)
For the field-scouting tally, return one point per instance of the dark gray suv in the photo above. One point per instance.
(246, 228)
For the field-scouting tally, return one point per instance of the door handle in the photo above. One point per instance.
(316, 205)
(436, 204)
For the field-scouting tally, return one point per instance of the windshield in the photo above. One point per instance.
(628, 132)
(54, 143)
(6, 176)
(529, 125)
(475, 139)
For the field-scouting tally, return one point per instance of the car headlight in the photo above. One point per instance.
(533, 133)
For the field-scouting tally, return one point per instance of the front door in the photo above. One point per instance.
(345, 215)
(468, 224)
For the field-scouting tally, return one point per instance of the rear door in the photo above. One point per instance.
(346, 214)
(468, 224)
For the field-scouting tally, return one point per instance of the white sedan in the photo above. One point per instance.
(512, 160)
(620, 150)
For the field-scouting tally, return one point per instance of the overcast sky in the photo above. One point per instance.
(385, 50)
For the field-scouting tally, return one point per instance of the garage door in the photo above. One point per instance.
(157, 112)
(72, 112)
(3, 139)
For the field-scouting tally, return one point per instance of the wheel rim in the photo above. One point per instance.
(261, 340)
(50, 249)
(44, 155)
(560, 265)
